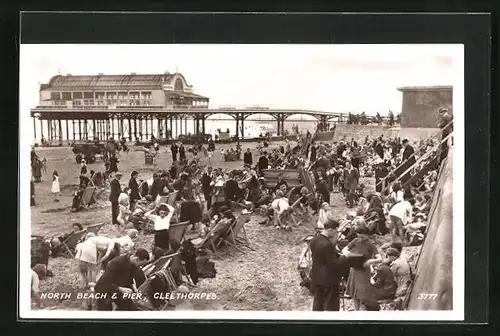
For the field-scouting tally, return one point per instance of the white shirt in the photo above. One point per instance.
(398, 196)
(402, 210)
(280, 205)
(126, 243)
(163, 223)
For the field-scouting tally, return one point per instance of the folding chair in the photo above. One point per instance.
(233, 238)
(158, 265)
(98, 195)
(213, 238)
(70, 243)
(87, 196)
(95, 228)
(177, 231)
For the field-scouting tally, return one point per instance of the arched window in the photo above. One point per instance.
(178, 85)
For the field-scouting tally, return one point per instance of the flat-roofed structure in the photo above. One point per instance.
(421, 104)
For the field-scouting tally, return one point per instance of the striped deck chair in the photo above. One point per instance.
(237, 235)
(68, 246)
(162, 267)
(158, 265)
(87, 197)
(95, 228)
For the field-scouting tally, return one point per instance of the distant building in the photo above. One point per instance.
(421, 103)
(118, 91)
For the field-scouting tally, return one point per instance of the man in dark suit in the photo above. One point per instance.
(206, 187)
(114, 194)
(327, 268)
(174, 150)
(263, 162)
(247, 157)
(134, 189)
(351, 181)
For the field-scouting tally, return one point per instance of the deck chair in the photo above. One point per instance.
(87, 197)
(70, 243)
(172, 198)
(237, 234)
(177, 231)
(213, 238)
(158, 265)
(95, 228)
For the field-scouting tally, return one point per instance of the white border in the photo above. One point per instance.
(456, 314)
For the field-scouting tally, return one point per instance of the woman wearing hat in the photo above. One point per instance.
(161, 224)
(361, 254)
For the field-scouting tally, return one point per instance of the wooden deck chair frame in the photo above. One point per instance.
(159, 264)
(72, 241)
(235, 231)
(87, 196)
(95, 228)
(177, 231)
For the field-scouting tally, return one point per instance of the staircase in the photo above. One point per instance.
(424, 164)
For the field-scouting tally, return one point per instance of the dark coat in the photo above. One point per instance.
(115, 190)
(384, 285)
(322, 188)
(113, 164)
(326, 263)
(409, 152)
(134, 189)
(182, 153)
(314, 149)
(263, 162)
(247, 158)
(205, 183)
(351, 178)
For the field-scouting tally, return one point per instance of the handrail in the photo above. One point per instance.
(420, 159)
(418, 150)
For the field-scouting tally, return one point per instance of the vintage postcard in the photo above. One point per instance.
(231, 181)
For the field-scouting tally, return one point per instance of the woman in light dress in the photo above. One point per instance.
(323, 215)
(55, 189)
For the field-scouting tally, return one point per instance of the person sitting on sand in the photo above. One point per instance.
(56, 243)
(280, 205)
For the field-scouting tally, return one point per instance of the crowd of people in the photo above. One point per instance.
(205, 196)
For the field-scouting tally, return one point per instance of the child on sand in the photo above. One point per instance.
(124, 212)
(55, 186)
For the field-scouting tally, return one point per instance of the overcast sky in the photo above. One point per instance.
(336, 78)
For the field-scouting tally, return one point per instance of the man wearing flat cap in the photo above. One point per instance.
(116, 190)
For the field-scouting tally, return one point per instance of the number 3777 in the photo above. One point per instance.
(424, 296)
